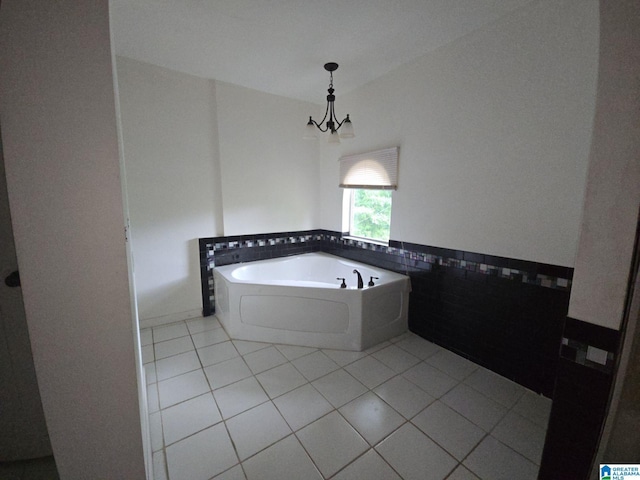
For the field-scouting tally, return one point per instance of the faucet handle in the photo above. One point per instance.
(371, 284)
(344, 285)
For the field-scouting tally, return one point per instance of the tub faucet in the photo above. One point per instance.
(360, 284)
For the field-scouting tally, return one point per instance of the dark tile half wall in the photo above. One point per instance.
(502, 313)
(580, 400)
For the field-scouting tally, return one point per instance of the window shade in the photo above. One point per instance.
(374, 170)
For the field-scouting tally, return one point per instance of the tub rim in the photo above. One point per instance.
(391, 277)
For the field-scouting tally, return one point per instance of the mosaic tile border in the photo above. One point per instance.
(525, 276)
(404, 256)
(589, 345)
(578, 352)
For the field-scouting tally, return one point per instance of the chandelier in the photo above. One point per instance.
(332, 124)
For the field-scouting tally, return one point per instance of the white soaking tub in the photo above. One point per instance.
(297, 300)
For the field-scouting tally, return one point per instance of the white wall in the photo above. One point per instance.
(205, 158)
(494, 133)
(613, 187)
(173, 181)
(57, 111)
(270, 177)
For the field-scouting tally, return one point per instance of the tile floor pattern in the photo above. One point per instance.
(406, 409)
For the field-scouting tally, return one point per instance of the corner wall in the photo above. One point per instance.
(270, 177)
(60, 141)
(612, 199)
(205, 158)
(170, 139)
(494, 132)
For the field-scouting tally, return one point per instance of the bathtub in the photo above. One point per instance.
(298, 301)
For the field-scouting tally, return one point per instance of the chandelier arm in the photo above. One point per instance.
(332, 117)
(335, 117)
(318, 124)
(323, 130)
(326, 112)
(340, 123)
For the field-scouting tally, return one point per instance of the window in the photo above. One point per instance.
(368, 180)
(369, 213)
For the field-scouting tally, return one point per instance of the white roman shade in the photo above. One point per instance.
(373, 170)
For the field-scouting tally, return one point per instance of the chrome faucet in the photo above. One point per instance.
(360, 284)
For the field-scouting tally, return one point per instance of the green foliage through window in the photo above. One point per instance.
(371, 214)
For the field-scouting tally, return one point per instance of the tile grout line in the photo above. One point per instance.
(489, 434)
(373, 447)
(336, 409)
(369, 352)
(223, 420)
(515, 413)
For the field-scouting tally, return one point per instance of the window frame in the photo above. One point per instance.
(374, 170)
(348, 206)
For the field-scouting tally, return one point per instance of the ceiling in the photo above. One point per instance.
(280, 46)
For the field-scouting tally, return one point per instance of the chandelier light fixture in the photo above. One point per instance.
(330, 122)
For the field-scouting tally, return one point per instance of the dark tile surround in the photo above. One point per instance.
(502, 313)
(580, 400)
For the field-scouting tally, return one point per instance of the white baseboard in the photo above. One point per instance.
(170, 318)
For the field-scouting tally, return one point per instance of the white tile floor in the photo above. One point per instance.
(405, 409)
